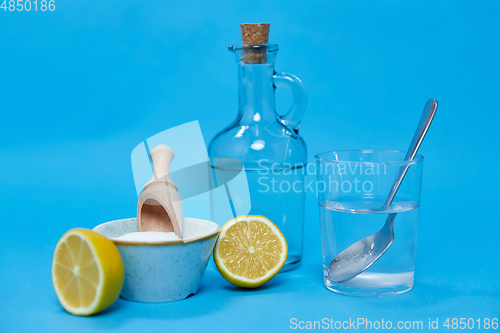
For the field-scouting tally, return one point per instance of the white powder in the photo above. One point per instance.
(148, 236)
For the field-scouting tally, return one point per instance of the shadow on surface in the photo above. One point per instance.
(274, 283)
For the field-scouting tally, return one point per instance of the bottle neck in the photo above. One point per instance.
(256, 92)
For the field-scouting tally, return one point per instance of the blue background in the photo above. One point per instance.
(81, 86)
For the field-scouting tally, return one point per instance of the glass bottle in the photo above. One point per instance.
(273, 154)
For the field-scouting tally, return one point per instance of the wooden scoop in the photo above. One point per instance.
(160, 206)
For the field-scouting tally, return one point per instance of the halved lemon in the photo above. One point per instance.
(87, 272)
(250, 251)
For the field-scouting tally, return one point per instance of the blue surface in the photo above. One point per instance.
(83, 85)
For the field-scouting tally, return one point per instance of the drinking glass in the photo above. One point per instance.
(353, 186)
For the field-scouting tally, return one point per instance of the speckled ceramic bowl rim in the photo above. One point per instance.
(164, 243)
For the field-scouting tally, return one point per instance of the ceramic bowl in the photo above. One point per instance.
(163, 271)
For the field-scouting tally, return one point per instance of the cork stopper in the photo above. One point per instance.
(255, 34)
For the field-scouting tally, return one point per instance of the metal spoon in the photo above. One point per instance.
(362, 254)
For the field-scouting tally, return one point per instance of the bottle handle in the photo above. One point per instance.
(294, 116)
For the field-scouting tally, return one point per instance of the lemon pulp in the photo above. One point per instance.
(87, 272)
(250, 251)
